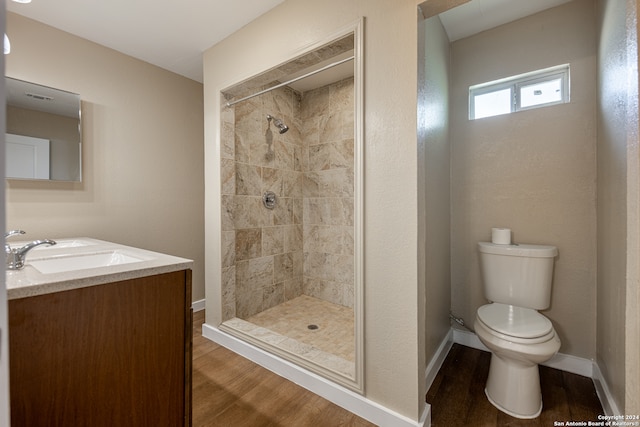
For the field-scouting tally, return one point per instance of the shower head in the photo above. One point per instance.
(282, 128)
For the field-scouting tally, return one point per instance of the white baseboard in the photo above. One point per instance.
(438, 359)
(347, 399)
(198, 305)
(609, 404)
(563, 362)
(468, 339)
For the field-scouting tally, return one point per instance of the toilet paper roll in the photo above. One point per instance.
(501, 236)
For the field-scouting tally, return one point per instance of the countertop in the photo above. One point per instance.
(31, 282)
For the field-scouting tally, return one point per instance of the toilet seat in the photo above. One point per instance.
(516, 323)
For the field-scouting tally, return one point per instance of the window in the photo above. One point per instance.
(531, 90)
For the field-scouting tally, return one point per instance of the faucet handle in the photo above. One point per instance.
(13, 233)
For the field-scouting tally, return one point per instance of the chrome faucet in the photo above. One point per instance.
(15, 257)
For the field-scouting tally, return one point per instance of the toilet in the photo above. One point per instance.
(517, 280)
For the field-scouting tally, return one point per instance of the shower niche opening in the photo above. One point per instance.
(291, 174)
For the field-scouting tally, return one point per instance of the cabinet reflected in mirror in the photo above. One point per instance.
(43, 140)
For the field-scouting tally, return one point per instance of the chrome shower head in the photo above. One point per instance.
(282, 128)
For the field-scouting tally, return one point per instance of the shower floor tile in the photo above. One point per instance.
(335, 324)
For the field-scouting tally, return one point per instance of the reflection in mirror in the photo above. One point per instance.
(43, 140)
(291, 279)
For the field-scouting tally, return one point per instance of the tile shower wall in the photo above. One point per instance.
(310, 169)
(327, 133)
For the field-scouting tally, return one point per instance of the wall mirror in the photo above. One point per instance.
(43, 135)
(292, 272)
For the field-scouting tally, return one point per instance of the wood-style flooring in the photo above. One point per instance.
(231, 391)
(457, 395)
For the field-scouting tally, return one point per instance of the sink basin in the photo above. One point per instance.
(71, 243)
(64, 263)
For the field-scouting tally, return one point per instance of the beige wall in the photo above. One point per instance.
(142, 149)
(617, 325)
(532, 171)
(394, 367)
(434, 258)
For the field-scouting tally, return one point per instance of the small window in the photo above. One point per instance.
(531, 90)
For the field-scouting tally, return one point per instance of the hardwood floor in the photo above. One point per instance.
(457, 394)
(229, 390)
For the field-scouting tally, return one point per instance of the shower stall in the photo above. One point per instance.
(288, 235)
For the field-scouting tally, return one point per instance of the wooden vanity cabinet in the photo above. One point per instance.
(117, 354)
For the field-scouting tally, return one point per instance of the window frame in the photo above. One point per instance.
(516, 83)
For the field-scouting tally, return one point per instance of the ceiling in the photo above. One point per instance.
(173, 34)
(480, 15)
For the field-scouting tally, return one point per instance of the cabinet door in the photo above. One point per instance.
(108, 355)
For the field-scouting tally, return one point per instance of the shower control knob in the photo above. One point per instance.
(269, 199)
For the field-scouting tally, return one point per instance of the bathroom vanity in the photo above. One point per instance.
(100, 335)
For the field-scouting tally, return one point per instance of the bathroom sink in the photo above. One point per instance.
(65, 263)
(69, 243)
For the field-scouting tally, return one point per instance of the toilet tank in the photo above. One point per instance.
(519, 275)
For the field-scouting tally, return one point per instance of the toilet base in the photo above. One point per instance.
(514, 388)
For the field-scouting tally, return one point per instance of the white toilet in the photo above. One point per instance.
(517, 280)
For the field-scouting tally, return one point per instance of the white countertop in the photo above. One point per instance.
(30, 282)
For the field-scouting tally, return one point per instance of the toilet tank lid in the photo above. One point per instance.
(523, 250)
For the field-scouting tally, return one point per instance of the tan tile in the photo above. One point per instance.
(291, 184)
(315, 102)
(248, 180)
(228, 209)
(262, 149)
(319, 157)
(254, 273)
(341, 210)
(241, 147)
(248, 244)
(228, 248)
(284, 153)
(335, 333)
(330, 127)
(227, 141)
(273, 295)
(292, 288)
(311, 184)
(273, 240)
(228, 176)
(248, 303)
(229, 285)
(342, 154)
(316, 211)
(341, 95)
(282, 267)
(282, 214)
(322, 238)
(335, 183)
(292, 238)
(249, 212)
(297, 211)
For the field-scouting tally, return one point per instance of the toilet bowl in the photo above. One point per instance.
(519, 339)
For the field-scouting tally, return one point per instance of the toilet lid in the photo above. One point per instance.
(514, 321)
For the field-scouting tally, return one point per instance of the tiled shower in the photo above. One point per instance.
(305, 245)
